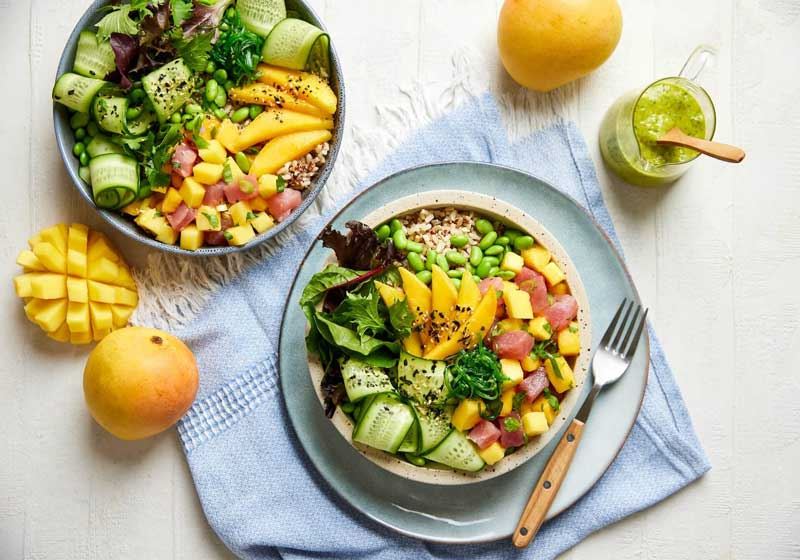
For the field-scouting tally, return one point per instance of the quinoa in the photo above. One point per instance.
(433, 228)
(299, 173)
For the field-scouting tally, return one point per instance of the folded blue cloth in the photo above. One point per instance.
(238, 432)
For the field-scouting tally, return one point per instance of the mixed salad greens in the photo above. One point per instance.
(188, 114)
(457, 358)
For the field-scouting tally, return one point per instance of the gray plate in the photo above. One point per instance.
(66, 141)
(487, 510)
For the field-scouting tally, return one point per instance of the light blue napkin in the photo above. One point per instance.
(257, 489)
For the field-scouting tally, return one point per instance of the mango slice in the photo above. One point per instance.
(283, 149)
(271, 96)
(304, 85)
(277, 122)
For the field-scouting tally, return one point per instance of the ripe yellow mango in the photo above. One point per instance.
(389, 294)
(539, 405)
(469, 295)
(418, 294)
(50, 314)
(512, 369)
(284, 149)
(569, 340)
(78, 318)
(103, 270)
(228, 135)
(55, 235)
(446, 348)
(562, 379)
(413, 344)
(493, 453)
(467, 414)
(270, 96)
(481, 321)
(534, 423)
(48, 285)
(536, 257)
(278, 122)
(30, 262)
(443, 295)
(304, 85)
(52, 259)
(100, 314)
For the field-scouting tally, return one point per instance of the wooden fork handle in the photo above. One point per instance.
(547, 487)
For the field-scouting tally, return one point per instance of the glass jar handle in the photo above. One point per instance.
(701, 58)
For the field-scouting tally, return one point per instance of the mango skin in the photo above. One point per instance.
(139, 381)
(545, 44)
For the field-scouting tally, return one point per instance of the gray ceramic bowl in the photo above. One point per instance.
(66, 140)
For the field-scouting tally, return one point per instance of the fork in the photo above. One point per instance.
(610, 362)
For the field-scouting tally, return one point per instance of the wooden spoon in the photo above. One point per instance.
(718, 150)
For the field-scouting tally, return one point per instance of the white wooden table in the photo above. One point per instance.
(716, 257)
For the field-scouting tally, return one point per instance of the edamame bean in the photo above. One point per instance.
(348, 407)
(512, 234)
(415, 460)
(220, 113)
(415, 262)
(506, 274)
(221, 99)
(494, 250)
(399, 238)
(475, 256)
(80, 134)
(383, 232)
(523, 242)
(220, 75)
(503, 240)
(493, 271)
(210, 67)
(240, 114)
(470, 268)
(228, 85)
(395, 225)
(430, 259)
(175, 118)
(187, 117)
(78, 148)
(456, 273)
(193, 109)
(212, 89)
(78, 120)
(455, 258)
(137, 95)
(230, 12)
(91, 129)
(414, 247)
(456, 282)
(483, 269)
(488, 240)
(84, 158)
(132, 112)
(255, 110)
(224, 26)
(493, 261)
(483, 226)
(459, 241)
(442, 263)
(424, 276)
(242, 162)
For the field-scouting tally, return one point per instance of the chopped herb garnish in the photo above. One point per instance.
(228, 235)
(511, 424)
(573, 329)
(516, 402)
(280, 184)
(227, 174)
(250, 216)
(213, 221)
(551, 399)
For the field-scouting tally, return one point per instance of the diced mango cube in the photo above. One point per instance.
(77, 289)
(120, 315)
(512, 369)
(535, 424)
(84, 337)
(78, 237)
(153, 221)
(239, 213)
(173, 200)
(134, 208)
(553, 273)
(207, 173)
(228, 135)
(50, 257)
(540, 328)
(467, 414)
(262, 222)
(192, 192)
(101, 292)
(560, 289)
(124, 277)
(215, 152)
(77, 263)
(124, 296)
(507, 398)
(536, 257)
(50, 314)
(48, 285)
(541, 404)
(78, 317)
(101, 315)
(207, 219)
(232, 168)
(518, 304)
(258, 204)
(209, 127)
(29, 261)
(100, 246)
(191, 238)
(561, 378)
(100, 334)
(22, 285)
(512, 262)
(57, 236)
(530, 363)
(103, 270)
(239, 235)
(493, 453)
(509, 325)
(61, 334)
(569, 340)
(269, 184)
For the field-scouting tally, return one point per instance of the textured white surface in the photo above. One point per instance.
(716, 257)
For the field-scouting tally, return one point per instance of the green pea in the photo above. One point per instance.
(494, 250)
(193, 109)
(414, 247)
(415, 460)
(507, 274)
(221, 99)
(475, 256)
(442, 263)
(383, 232)
(456, 282)
(512, 234)
(220, 75)
(494, 270)
(483, 269)
(430, 259)
(175, 118)
(224, 26)
(488, 240)
(80, 134)
(493, 261)
(240, 114)
(92, 129)
(396, 225)
(348, 407)
(455, 258)
(483, 226)
(220, 113)
(399, 238)
(255, 110)
(459, 241)
(210, 67)
(84, 158)
(137, 95)
(424, 276)
(78, 120)
(503, 240)
(523, 242)
(132, 112)
(212, 89)
(455, 273)
(416, 262)
(78, 148)
(242, 162)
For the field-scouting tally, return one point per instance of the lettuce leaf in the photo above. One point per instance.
(321, 282)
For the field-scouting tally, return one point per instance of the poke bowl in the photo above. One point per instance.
(447, 336)
(201, 131)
